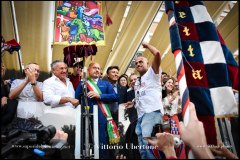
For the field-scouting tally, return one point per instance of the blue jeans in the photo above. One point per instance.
(144, 129)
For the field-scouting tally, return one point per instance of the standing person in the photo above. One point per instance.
(121, 91)
(131, 138)
(123, 80)
(131, 112)
(148, 93)
(76, 76)
(28, 92)
(112, 74)
(172, 103)
(101, 93)
(168, 85)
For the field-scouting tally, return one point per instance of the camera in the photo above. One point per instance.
(165, 127)
(159, 128)
(29, 139)
(17, 140)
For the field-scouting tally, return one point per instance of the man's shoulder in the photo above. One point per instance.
(103, 81)
(150, 72)
(18, 80)
(50, 79)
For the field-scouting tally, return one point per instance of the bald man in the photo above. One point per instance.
(103, 94)
(148, 98)
(28, 92)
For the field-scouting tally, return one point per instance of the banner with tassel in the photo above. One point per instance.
(79, 22)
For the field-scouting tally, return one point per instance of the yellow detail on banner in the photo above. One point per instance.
(186, 30)
(182, 14)
(190, 49)
(196, 74)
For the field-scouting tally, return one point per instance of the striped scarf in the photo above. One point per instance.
(112, 129)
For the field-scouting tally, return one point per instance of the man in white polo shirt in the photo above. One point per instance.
(148, 99)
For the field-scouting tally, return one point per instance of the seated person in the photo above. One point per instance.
(58, 92)
(27, 90)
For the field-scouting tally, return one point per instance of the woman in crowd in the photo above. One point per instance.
(168, 85)
(123, 80)
(172, 105)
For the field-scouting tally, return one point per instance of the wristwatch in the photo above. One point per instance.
(33, 84)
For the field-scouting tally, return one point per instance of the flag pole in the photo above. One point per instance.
(177, 51)
(16, 34)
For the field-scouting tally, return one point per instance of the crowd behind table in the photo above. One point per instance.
(150, 97)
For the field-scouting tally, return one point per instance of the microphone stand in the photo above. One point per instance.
(86, 113)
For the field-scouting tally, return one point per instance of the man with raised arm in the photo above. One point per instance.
(148, 99)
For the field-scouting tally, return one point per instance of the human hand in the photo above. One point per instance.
(170, 98)
(223, 152)
(6, 81)
(29, 71)
(145, 45)
(3, 101)
(179, 109)
(61, 135)
(121, 157)
(75, 102)
(193, 135)
(93, 94)
(164, 142)
(129, 104)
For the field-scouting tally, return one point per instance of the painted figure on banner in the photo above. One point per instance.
(79, 22)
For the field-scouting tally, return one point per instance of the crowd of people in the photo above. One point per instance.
(150, 97)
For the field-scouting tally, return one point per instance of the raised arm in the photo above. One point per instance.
(16, 90)
(157, 57)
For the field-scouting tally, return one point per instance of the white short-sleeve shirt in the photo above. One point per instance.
(27, 94)
(149, 93)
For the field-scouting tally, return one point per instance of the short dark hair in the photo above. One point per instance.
(123, 76)
(112, 67)
(164, 73)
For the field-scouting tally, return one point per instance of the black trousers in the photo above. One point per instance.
(8, 112)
